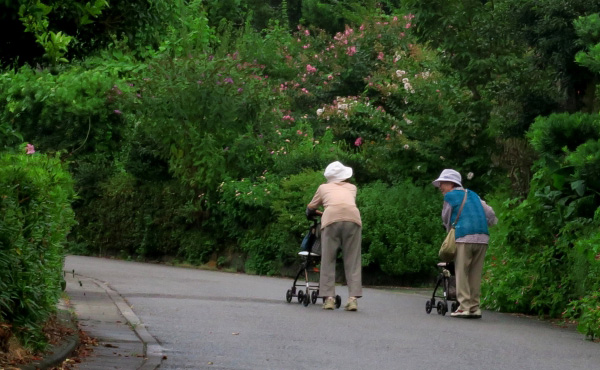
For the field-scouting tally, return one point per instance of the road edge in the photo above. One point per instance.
(61, 351)
(153, 353)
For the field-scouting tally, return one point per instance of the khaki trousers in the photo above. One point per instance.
(468, 266)
(347, 235)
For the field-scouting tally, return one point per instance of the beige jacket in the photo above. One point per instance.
(339, 201)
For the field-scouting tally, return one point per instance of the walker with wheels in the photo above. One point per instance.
(447, 281)
(306, 283)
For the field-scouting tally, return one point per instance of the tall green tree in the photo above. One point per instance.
(54, 31)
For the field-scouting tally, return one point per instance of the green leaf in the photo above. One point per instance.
(579, 187)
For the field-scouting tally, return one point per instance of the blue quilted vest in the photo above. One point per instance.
(472, 219)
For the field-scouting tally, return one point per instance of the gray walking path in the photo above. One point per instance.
(214, 320)
(123, 341)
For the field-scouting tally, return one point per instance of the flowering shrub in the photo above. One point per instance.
(212, 136)
(214, 125)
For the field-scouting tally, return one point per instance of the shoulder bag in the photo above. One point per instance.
(448, 249)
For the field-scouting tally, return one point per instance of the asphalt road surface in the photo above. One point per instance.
(218, 320)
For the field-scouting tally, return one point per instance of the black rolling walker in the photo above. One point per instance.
(306, 283)
(447, 281)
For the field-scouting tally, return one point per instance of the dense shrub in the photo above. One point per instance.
(542, 253)
(556, 135)
(74, 111)
(270, 217)
(35, 196)
(128, 217)
(401, 229)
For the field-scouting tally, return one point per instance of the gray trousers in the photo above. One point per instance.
(468, 265)
(347, 235)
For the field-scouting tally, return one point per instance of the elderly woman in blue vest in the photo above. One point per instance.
(472, 238)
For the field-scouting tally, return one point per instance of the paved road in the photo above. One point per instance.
(215, 320)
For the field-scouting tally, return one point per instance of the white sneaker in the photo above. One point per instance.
(461, 313)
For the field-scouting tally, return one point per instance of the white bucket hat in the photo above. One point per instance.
(336, 172)
(448, 175)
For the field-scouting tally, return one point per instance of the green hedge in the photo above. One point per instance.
(543, 257)
(35, 217)
(402, 228)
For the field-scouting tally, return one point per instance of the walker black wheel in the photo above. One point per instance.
(454, 306)
(440, 308)
(306, 300)
(428, 307)
(288, 296)
(444, 308)
(300, 296)
(313, 296)
(338, 301)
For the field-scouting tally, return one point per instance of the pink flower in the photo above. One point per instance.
(358, 141)
(408, 25)
(116, 111)
(351, 50)
(380, 56)
(30, 149)
(307, 32)
(310, 69)
(330, 77)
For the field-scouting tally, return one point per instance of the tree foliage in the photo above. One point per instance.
(198, 130)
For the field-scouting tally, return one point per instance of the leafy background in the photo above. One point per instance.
(197, 131)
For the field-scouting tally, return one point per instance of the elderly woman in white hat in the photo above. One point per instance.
(472, 238)
(341, 227)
